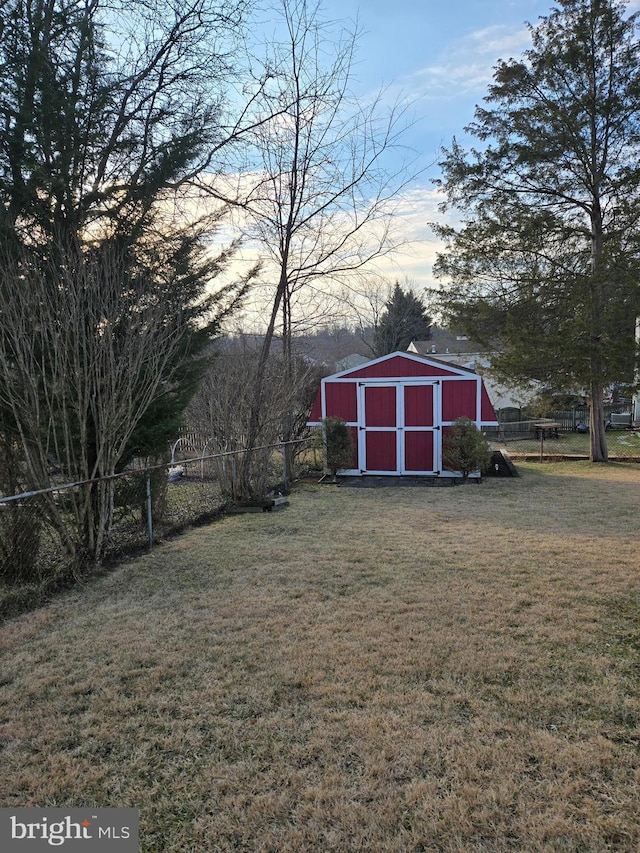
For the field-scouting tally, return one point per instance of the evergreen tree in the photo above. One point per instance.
(338, 445)
(404, 320)
(106, 305)
(545, 263)
(465, 449)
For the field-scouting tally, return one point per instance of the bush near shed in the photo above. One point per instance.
(465, 449)
(339, 445)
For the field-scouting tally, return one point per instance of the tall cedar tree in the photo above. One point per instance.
(545, 263)
(404, 320)
(106, 109)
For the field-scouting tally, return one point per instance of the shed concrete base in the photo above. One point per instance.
(370, 481)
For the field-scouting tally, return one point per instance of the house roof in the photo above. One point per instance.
(349, 361)
(444, 341)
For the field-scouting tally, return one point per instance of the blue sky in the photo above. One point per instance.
(441, 51)
(440, 55)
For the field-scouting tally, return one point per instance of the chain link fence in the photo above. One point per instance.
(616, 415)
(548, 439)
(39, 529)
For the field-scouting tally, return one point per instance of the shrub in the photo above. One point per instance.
(465, 449)
(20, 523)
(20, 535)
(131, 492)
(338, 445)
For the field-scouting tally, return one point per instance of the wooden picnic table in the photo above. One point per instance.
(548, 429)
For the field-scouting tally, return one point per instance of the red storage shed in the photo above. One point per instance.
(398, 408)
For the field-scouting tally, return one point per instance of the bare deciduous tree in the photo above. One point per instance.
(75, 391)
(223, 410)
(107, 111)
(322, 203)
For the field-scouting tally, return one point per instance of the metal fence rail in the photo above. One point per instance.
(149, 503)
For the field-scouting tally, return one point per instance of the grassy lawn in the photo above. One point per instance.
(397, 669)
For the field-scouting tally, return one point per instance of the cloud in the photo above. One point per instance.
(467, 67)
(412, 260)
(418, 246)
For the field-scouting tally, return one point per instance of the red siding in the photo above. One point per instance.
(380, 406)
(316, 412)
(488, 415)
(342, 400)
(418, 405)
(445, 432)
(459, 400)
(396, 367)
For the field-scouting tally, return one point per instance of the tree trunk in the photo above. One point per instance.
(253, 428)
(598, 450)
(287, 367)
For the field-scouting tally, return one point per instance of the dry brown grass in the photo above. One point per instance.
(403, 669)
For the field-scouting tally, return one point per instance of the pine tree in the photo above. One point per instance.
(404, 320)
(338, 445)
(545, 265)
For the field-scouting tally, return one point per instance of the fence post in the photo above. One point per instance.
(234, 478)
(541, 443)
(285, 468)
(149, 511)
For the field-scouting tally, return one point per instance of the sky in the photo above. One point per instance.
(438, 54)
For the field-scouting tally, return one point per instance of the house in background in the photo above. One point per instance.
(353, 360)
(464, 353)
(398, 408)
(444, 342)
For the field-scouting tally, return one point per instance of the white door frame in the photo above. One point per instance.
(364, 429)
(400, 427)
